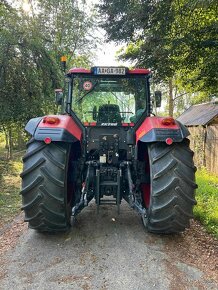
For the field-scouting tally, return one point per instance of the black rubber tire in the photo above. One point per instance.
(173, 187)
(44, 186)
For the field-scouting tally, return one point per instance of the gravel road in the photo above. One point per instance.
(107, 251)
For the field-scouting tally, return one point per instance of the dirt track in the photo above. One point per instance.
(107, 251)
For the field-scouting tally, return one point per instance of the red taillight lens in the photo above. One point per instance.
(168, 121)
(47, 140)
(169, 141)
(51, 120)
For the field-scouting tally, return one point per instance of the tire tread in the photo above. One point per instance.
(172, 187)
(44, 186)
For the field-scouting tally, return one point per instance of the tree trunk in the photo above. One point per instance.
(10, 147)
(20, 140)
(6, 141)
(170, 100)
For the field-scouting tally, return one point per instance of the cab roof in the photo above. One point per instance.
(139, 71)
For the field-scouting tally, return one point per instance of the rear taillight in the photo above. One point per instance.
(51, 120)
(169, 141)
(168, 121)
(47, 140)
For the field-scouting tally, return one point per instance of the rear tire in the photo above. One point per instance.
(172, 180)
(44, 186)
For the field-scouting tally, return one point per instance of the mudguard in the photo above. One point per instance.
(65, 129)
(152, 130)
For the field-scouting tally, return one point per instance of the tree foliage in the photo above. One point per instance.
(30, 48)
(172, 37)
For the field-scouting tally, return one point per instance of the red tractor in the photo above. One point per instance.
(108, 146)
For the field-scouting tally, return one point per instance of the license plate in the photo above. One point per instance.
(109, 70)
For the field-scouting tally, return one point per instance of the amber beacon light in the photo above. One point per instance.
(168, 121)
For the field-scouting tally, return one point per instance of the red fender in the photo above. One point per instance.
(152, 129)
(64, 122)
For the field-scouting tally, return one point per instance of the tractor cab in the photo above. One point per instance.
(109, 96)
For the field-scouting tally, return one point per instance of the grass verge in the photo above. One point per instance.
(10, 200)
(206, 210)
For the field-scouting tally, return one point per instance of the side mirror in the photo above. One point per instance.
(94, 113)
(58, 96)
(157, 97)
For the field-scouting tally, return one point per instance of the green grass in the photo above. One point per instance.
(10, 200)
(206, 210)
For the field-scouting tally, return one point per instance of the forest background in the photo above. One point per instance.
(176, 39)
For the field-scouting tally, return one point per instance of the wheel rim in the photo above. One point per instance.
(146, 187)
(146, 193)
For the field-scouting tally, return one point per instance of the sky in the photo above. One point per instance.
(106, 53)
